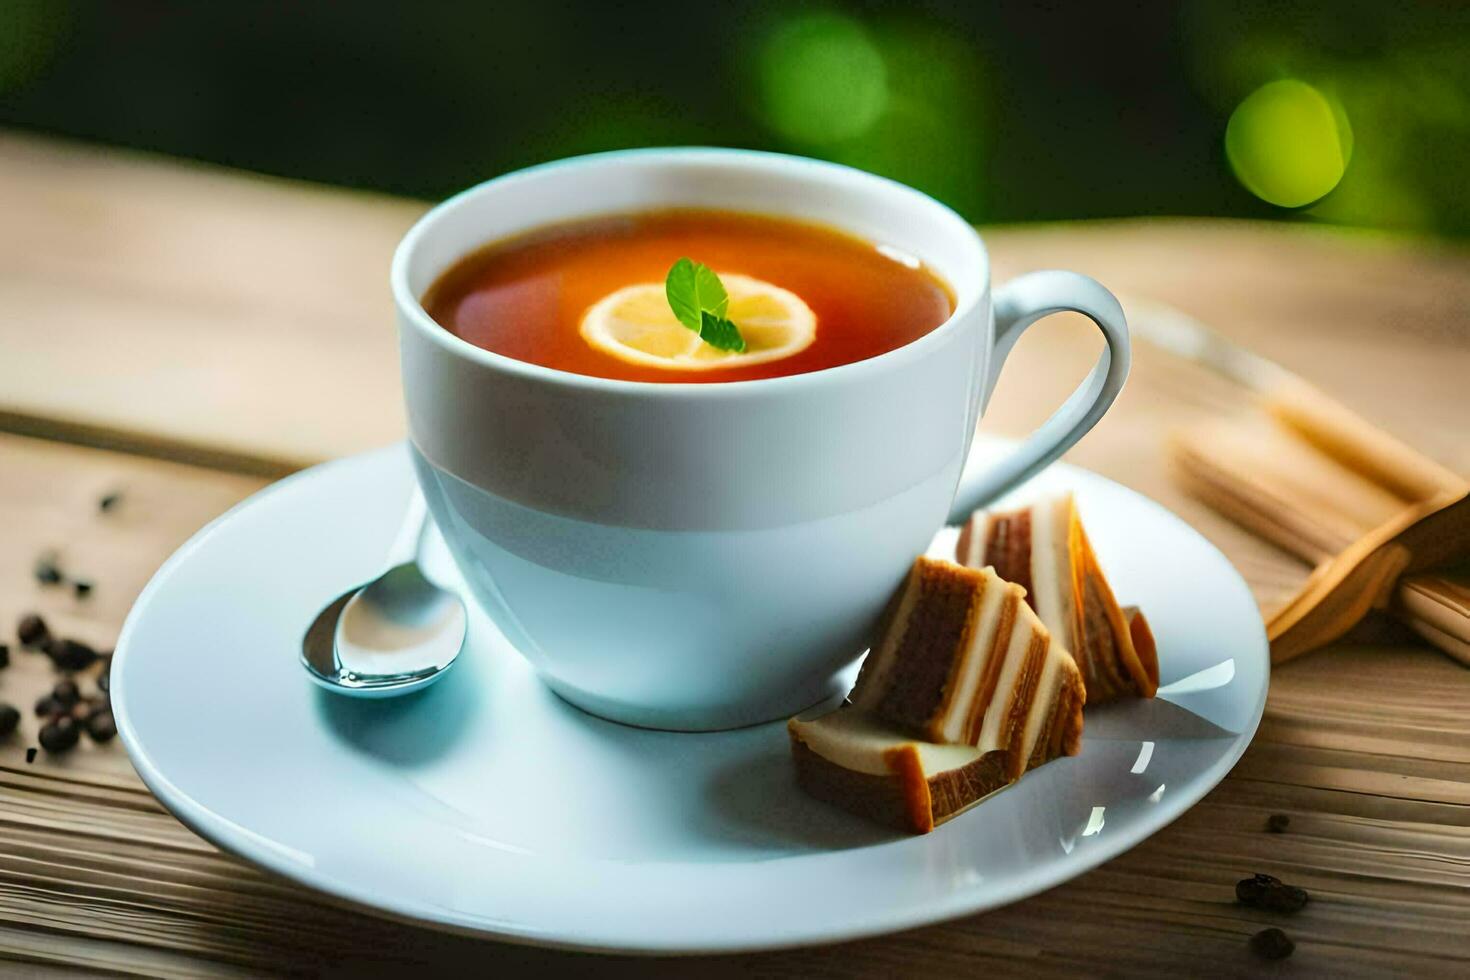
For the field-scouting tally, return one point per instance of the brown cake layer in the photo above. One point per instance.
(942, 599)
(963, 660)
(1046, 546)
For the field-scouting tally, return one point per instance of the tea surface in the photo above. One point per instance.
(525, 297)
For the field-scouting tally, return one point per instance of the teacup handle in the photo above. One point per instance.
(1018, 304)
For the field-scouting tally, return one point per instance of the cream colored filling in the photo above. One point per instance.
(855, 740)
(1005, 685)
(1050, 598)
(982, 638)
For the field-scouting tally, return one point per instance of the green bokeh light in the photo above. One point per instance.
(821, 78)
(1288, 143)
(933, 133)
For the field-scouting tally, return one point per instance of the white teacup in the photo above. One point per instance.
(704, 556)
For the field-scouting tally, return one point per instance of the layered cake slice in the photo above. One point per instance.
(1044, 549)
(860, 763)
(964, 692)
(963, 661)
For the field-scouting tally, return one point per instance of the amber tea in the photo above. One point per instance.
(590, 296)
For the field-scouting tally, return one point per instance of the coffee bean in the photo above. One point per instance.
(9, 719)
(104, 679)
(90, 705)
(1272, 944)
(1247, 889)
(46, 570)
(87, 707)
(71, 655)
(1277, 823)
(1269, 893)
(4, 655)
(81, 588)
(66, 692)
(102, 726)
(60, 735)
(32, 631)
(48, 707)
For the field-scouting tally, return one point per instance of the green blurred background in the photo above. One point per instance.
(1354, 114)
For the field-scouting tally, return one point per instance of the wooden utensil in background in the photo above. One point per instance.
(1383, 524)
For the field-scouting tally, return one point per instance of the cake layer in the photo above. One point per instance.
(1046, 546)
(872, 768)
(963, 660)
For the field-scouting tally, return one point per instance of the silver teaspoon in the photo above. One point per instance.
(396, 634)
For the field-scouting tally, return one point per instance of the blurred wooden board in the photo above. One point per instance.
(245, 319)
(142, 325)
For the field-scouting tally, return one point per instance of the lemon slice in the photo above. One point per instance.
(635, 324)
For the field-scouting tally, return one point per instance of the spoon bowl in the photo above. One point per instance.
(394, 635)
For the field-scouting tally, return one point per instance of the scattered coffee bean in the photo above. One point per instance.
(4, 655)
(9, 719)
(104, 679)
(102, 726)
(60, 735)
(1247, 890)
(30, 756)
(70, 655)
(46, 570)
(32, 631)
(48, 707)
(89, 706)
(109, 501)
(1269, 893)
(1272, 944)
(66, 692)
(1277, 823)
(81, 588)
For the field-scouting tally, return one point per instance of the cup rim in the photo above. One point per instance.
(412, 309)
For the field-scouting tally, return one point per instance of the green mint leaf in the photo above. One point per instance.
(719, 332)
(692, 289)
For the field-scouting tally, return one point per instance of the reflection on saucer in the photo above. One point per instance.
(1155, 719)
(1203, 680)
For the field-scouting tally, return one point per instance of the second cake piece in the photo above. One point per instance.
(1044, 549)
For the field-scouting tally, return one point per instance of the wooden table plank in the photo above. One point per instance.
(253, 312)
(122, 268)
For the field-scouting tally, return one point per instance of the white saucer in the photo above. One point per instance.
(486, 804)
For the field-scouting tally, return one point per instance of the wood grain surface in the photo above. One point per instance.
(177, 311)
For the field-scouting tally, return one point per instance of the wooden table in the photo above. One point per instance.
(182, 334)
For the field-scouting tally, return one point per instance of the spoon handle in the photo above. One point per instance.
(405, 549)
